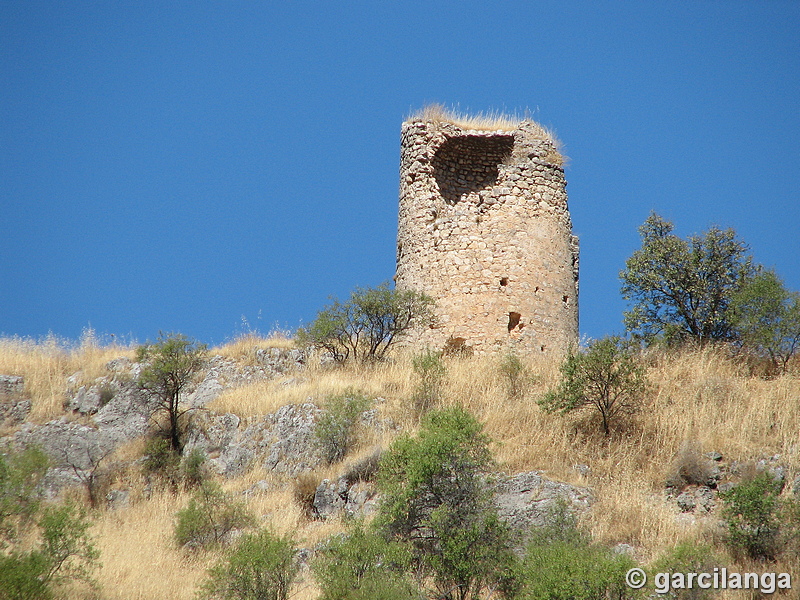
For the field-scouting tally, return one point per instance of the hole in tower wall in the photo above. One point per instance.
(469, 164)
(513, 320)
(504, 281)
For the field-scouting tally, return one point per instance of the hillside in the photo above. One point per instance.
(705, 416)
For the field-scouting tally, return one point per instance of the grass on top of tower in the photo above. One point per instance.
(492, 120)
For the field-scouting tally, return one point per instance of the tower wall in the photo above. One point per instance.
(484, 230)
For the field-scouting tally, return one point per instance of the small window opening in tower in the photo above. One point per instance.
(504, 281)
(513, 320)
(565, 299)
(469, 163)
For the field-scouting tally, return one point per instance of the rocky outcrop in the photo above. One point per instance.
(529, 500)
(225, 373)
(282, 442)
(14, 405)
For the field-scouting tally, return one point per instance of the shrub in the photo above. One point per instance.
(335, 431)
(170, 364)
(606, 377)
(573, 570)
(436, 498)
(162, 461)
(361, 565)
(261, 567)
(682, 289)
(691, 468)
(210, 518)
(368, 324)
(193, 469)
(431, 371)
(63, 553)
(304, 490)
(20, 474)
(688, 557)
(517, 375)
(752, 514)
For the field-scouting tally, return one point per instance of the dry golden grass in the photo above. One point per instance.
(700, 399)
(490, 121)
(243, 347)
(388, 380)
(46, 364)
(139, 558)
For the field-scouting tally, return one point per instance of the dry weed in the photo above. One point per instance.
(46, 364)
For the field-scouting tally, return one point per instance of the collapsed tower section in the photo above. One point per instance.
(484, 229)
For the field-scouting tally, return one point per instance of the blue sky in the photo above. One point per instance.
(182, 166)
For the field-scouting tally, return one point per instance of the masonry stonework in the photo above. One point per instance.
(484, 230)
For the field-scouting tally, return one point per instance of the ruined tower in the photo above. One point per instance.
(484, 230)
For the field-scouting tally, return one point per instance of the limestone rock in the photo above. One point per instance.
(528, 500)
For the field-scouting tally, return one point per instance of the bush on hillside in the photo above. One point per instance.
(262, 566)
(335, 431)
(436, 498)
(431, 371)
(210, 517)
(606, 377)
(767, 318)
(368, 324)
(759, 522)
(362, 565)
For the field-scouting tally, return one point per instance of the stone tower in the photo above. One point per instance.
(484, 229)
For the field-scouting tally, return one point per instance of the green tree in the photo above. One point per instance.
(435, 497)
(362, 565)
(682, 289)
(368, 324)
(170, 364)
(767, 318)
(606, 377)
(262, 566)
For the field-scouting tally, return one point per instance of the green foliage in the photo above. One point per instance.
(688, 557)
(335, 431)
(435, 497)
(64, 553)
(606, 377)
(210, 517)
(367, 325)
(767, 318)
(23, 576)
(261, 567)
(193, 469)
(170, 365)
(162, 461)
(753, 514)
(363, 566)
(517, 375)
(573, 570)
(431, 370)
(66, 544)
(20, 474)
(682, 289)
